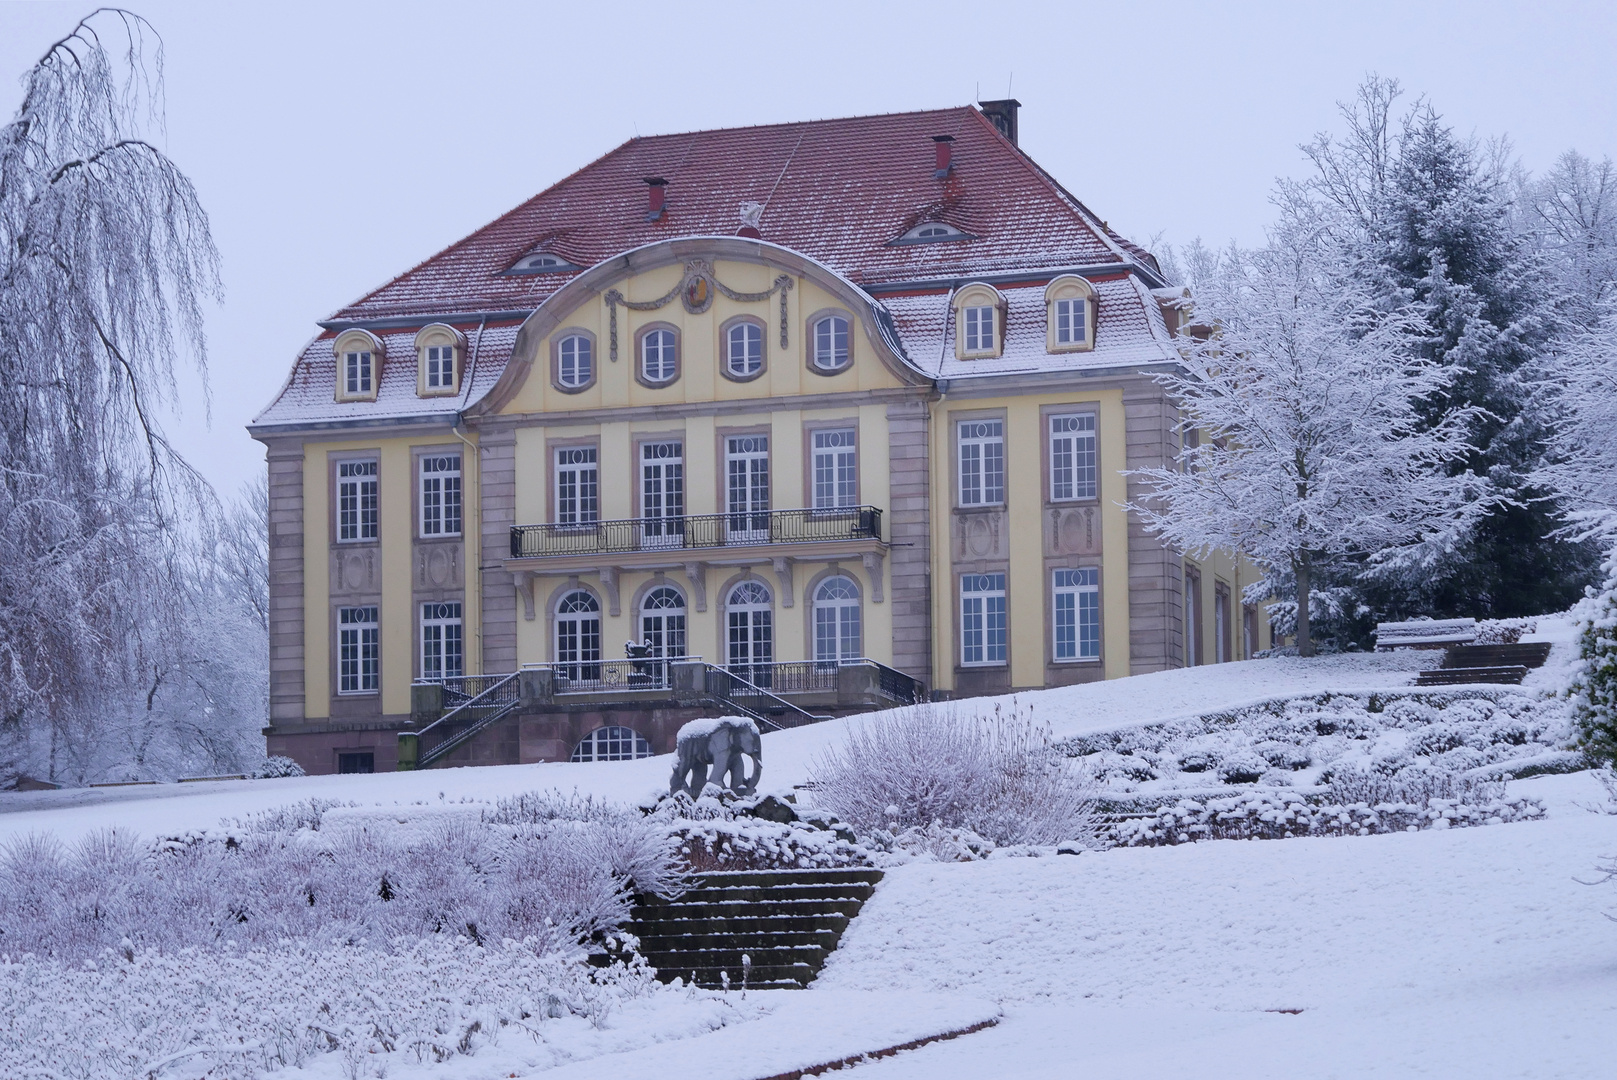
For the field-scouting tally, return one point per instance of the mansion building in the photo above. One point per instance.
(793, 420)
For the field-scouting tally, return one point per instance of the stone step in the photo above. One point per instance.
(740, 909)
(791, 976)
(779, 893)
(730, 956)
(1446, 676)
(660, 943)
(1524, 653)
(867, 875)
(764, 924)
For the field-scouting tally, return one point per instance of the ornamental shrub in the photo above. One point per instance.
(1594, 688)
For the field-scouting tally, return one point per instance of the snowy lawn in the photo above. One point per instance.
(1461, 953)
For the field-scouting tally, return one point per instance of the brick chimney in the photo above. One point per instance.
(1003, 114)
(944, 145)
(654, 197)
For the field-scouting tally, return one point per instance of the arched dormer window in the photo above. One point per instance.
(979, 322)
(440, 352)
(933, 232)
(572, 360)
(1069, 315)
(830, 344)
(359, 364)
(542, 262)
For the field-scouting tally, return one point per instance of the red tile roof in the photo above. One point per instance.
(836, 190)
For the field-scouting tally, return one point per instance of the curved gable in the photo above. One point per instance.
(742, 313)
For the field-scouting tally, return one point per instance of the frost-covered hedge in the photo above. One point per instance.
(1302, 741)
(240, 1014)
(1594, 687)
(720, 832)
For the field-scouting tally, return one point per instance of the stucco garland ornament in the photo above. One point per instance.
(695, 289)
(722, 743)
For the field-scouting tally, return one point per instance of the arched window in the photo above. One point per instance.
(575, 362)
(542, 263)
(933, 232)
(743, 348)
(659, 355)
(611, 744)
(828, 342)
(662, 622)
(439, 351)
(751, 624)
(836, 620)
(359, 363)
(1069, 315)
(578, 636)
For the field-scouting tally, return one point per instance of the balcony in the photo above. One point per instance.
(650, 541)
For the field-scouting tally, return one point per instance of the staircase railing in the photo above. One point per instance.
(492, 703)
(726, 687)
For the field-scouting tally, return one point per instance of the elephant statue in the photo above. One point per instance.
(723, 743)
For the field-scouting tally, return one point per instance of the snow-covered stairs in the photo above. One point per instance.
(784, 922)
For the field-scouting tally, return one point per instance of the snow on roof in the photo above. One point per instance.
(1128, 331)
(309, 396)
(837, 190)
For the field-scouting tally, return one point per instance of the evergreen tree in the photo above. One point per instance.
(1594, 689)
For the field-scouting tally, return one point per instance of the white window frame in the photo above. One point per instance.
(665, 626)
(612, 743)
(838, 620)
(358, 501)
(662, 489)
(752, 351)
(1072, 320)
(359, 373)
(443, 641)
(755, 620)
(575, 354)
(667, 355)
(746, 488)
(831, 336)
(980, 457)
(440, 494)
(578, 643)
(440, 373)
(1074, 457)
(984, 623)
(578, 485)
(359, 650)
(834, 461)
(977, 327)
(1075, 615)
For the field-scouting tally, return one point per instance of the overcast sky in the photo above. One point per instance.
(335, 145)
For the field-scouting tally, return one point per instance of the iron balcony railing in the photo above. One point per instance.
(696, 531)
(595, 676)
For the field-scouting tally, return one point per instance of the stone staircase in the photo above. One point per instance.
(1486, 664)
(786, 922)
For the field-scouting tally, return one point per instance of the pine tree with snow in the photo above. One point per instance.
(1430, 221)
(1594, 688)
(1313, 447)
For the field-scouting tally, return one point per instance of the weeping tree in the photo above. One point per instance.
(1313, 450)
(105, 262)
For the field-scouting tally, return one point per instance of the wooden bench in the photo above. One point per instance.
(1425, 634)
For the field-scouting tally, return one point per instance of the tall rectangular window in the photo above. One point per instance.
(1071, 321)
(836, 469)
(578, 500)
(979, 329)
(746, 468)
(440, 495)
(359, 651)
(356, 500)
(1077, 614)
(1193, 618)
(982, 462)
(662, 494)
(982, 619)
(1223, 639)
(357, 373)
(1072, 457)
(440, 641)
(440, 367)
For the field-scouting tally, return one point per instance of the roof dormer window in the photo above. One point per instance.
(440, 352)
(359, 365)
(933, 232)
(1069, 315)
(542, 262)
(979, 330)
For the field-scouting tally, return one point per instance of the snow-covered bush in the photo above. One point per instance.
(1503, 631)
(1274, 815)
(332, 874)
(995, 774)
(275, 767)
(1594, 687)
(233, 1014)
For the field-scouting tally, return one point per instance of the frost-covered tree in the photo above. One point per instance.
(1594, 688)
(1580, 388)
(1429, 221)
(105, 260)
(1571, 213)
(1314, 447)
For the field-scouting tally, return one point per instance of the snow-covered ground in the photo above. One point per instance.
(1465, 952)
